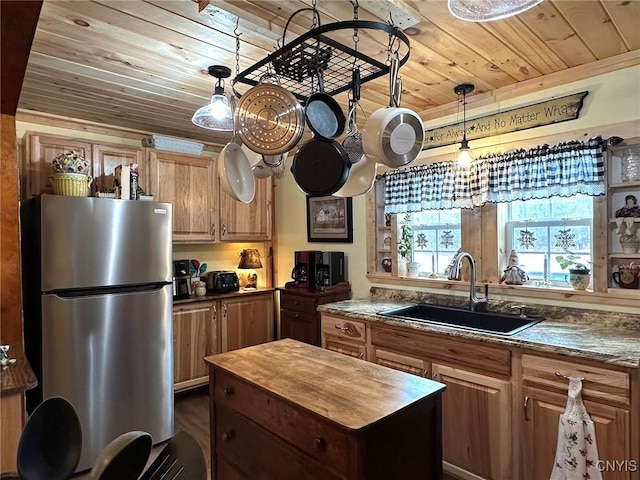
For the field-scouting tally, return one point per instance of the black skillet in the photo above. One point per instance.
(323, 113)
(321, 167)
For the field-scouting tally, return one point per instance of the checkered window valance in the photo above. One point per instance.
(563, 170)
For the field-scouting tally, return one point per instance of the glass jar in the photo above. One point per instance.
(630, 171)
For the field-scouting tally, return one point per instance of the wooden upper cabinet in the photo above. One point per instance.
(40, 150)
(107, 157)
(186, 181)
(247, 222)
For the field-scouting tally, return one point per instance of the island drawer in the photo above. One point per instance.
(256, 451)
(320, 440)
(598, 384)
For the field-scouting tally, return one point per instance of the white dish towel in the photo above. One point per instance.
(576, 454)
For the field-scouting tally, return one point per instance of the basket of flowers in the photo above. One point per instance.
(70, 175)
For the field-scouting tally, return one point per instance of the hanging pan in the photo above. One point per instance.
(321, 167)
(269, 118)
(393, 135)
(323, 113)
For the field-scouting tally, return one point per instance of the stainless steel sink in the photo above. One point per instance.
(501, 323)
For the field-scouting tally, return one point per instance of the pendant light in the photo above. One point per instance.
(464, 154)
(488, 10)
(217, 114)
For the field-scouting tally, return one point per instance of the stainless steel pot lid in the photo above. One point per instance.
(269, 119)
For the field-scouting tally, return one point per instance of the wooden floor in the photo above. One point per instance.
(192, 416)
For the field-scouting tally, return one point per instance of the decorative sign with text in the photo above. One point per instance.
(544, 113)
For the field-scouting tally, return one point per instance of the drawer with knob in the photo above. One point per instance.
(251, 448)
(316, 438)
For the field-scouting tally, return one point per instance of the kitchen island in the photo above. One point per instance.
(290, 410)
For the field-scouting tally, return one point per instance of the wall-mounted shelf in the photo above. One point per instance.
(297, 62)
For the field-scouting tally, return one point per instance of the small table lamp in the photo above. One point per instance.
(249, 260)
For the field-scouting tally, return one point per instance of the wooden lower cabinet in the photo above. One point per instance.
(399, 361)
(542, 412)
(476, 423)
(194, 337)
(246, 320)
(299, 318)
(346, 336)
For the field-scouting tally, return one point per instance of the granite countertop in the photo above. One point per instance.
(611, 338)
(209, 297)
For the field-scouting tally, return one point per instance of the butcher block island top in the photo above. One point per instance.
(289, 410)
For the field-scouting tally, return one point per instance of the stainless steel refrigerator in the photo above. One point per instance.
(97, 283)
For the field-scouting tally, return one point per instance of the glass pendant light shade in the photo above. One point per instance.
(218, 113)
(488, 10)
(464, 155)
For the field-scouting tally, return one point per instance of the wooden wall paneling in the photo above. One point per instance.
(371, 231)
(10, 279)
(490, 240)
(600, 268)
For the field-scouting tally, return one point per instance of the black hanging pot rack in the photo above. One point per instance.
(299, 60)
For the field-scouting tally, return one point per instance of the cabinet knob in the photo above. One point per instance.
(224, 229)
(297, 315)
(321, 443)
(226, 436)
(228, 391)
(213, 229)
(526, 408)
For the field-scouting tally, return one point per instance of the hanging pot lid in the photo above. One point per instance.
(269, 119)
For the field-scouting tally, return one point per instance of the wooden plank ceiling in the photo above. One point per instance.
(142, 65)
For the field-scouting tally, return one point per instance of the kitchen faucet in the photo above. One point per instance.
(476, 303)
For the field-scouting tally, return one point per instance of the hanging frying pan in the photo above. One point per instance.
(323, 113)
(269, 119)
(393, 135)
(321, 167)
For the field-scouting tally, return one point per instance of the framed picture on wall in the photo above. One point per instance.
(329, 219)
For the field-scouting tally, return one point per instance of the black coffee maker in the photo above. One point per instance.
(181, 279)
(304, 270)
(330, 269)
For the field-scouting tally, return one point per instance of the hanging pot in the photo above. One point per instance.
(361, 178)
(236, 175)
(323, 113)
(393, 135)
(269, 119)
(321, 167)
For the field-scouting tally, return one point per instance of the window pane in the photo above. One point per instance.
(541, 229)
(436, 238)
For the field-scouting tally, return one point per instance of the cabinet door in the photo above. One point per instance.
(186, 181)
(247, 222)
(193, 331)
(301, 326)
(476, 423)
(107, 157)
(246, 320)
(400, 361)
(40, 151)
(541, 415)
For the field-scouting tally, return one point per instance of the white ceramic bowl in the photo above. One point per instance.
(361, 178)
(236, 176)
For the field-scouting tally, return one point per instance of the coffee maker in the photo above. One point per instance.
(304, 270)
(181, 279)
(330, 269)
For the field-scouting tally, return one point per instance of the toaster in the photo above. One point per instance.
(221, 281)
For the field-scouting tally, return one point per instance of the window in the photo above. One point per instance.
(436, 238)
(540, 229)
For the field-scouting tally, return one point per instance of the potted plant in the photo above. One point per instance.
(579, 273)
(405, 246)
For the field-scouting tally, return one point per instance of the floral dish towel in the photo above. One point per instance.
(576, 454)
